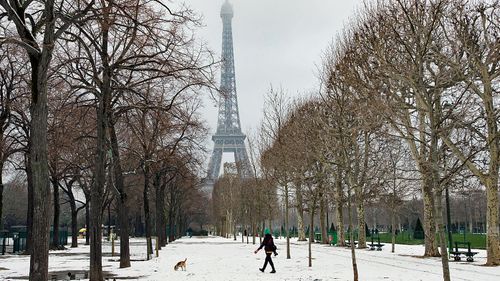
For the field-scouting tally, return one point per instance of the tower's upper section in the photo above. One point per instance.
(229, 119)
(227, 10)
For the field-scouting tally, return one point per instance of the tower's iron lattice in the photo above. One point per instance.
(228, 137)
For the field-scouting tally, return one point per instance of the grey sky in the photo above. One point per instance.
(276, 42)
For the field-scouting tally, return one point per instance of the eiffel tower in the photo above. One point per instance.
(228, 137)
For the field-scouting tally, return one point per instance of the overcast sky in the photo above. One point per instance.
(276, 42)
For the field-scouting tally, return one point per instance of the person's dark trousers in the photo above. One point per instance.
(268, 260)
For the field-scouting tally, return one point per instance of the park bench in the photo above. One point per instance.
(457, 253)
(348, 243)
(377, 245)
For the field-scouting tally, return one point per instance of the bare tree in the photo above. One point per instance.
(397, 168)
(128, 45)
(397, 67)
(33, 20)
(12, 86)
(471, 51)
(157, 131)
(275, 115)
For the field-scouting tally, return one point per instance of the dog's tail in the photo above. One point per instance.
(185, 259)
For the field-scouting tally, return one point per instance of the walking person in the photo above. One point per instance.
(270, 248)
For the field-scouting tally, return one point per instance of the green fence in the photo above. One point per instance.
(14, 241)
(63, 237)
(3, 241)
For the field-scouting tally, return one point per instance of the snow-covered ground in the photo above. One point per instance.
(215, 258)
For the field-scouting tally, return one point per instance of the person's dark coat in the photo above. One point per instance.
(268, 244)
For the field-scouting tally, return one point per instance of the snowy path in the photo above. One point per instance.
(214, 258)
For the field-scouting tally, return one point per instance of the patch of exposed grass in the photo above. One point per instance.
(478, 241)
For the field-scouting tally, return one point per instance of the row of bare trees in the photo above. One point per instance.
(97, 96)
(432, 78)
(409, 93)
(246, 205)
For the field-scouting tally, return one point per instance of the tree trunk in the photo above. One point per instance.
(3, 120)
(361, 222)
(442, 236)
(261, 236)
(95, 235)
(57, 211)
(123, 212)
(171, 225)
(74, 224)
(103, 113)
(97, 191)
(179, 224)
(96, 195)
(351, 238)
(160, 210)
(38, 155)
(491, 181)
(124, 233)
(253, 233)
(492, 221)
(30, 212)
(322, 219)
(393, 211)
(109, 220)
(311, 234)
(147, 216)
(339, 214)
(87, 223)
(172, 214)
(339, 205)
(1, 196)
(234, 230)
(229, 224)
(431, 249)
(300, 216)
(300, 227)
(138, 225)
(287, 225)
(393, 226)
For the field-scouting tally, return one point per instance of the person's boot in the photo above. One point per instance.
(261, 269)
(274, 271)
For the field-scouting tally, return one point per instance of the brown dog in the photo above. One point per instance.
(181, 264)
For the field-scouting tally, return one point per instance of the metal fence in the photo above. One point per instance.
(14, 241)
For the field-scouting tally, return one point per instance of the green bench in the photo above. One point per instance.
(374, 245)
(457, 253)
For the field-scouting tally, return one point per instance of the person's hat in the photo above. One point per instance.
(267, 231)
